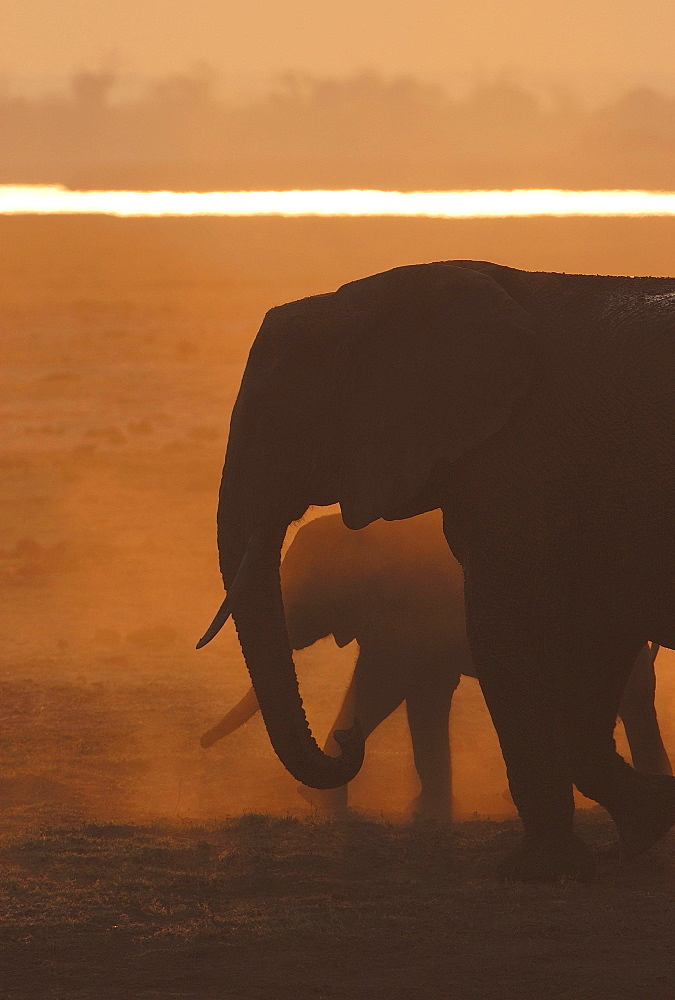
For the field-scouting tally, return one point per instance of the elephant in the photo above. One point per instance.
(396, 589)
(535, 410)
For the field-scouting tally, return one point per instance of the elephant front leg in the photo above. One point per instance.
(333, 803)
(377, 688)
(523, 711)
(516, 606)
(428, 704)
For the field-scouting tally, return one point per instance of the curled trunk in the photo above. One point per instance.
(261, 627)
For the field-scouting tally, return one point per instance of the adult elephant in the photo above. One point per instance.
(536, 411)
(396, 589)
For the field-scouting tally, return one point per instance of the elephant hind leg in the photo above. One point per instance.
(638, 714)
(642, 805)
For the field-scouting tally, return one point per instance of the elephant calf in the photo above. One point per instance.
(396, 588)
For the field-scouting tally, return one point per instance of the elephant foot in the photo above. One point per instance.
(537, 860)
(330, 804)
(649, 815)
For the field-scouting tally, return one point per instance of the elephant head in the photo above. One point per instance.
(357, 398)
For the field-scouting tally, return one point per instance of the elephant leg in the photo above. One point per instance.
(333, 802)
(592, 678)
(641, 805)
(638, 714)
(428, 708)
(518, 690)
(517, 604)
(377, 687)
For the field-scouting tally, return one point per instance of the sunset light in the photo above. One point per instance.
(342, 335)
(58, 200)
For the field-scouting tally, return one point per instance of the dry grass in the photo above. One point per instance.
(264, 907)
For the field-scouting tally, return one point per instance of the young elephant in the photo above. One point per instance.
(396, 588)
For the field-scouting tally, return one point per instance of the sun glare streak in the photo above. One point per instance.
(58, 200)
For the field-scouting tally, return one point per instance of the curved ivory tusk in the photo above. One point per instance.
(240, 582)
(245, 709)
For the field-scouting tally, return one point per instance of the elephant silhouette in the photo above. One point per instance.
(396, 589)
(536, 411)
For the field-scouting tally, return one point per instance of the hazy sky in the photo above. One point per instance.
(436, 39)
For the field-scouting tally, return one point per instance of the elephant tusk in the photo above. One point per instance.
(221, 616)
(239, 584)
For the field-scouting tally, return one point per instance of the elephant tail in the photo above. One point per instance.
(236, 717)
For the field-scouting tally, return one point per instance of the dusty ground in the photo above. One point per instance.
(276, 908)
(122, 345)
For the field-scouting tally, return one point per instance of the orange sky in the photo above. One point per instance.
(587, 42)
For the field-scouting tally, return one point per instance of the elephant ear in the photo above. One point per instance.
(437, 356)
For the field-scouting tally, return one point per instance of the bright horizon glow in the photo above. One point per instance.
(527, 203)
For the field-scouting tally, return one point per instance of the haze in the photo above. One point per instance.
(585, 42)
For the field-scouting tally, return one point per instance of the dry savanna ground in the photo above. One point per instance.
(135, 864)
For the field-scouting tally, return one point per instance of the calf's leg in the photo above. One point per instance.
(428, 708)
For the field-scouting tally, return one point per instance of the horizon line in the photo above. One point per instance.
(57, 199)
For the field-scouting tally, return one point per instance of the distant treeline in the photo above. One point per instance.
(361, 131)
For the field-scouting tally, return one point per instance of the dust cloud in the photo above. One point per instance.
(123, 347)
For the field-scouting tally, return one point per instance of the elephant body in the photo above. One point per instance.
(536, 411)
(396, 589)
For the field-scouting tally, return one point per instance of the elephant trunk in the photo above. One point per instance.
(261, 627)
